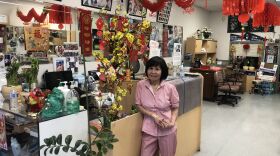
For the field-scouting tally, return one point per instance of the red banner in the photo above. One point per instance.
(85, 32)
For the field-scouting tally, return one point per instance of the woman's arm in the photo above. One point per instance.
(153, 115)
(174, 114)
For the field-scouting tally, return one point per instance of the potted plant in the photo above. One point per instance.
(12, 77)
(30, 74)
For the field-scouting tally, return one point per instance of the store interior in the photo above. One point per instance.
(69, 70)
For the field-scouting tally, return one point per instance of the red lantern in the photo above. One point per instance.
(270, 16)
(246, 46)
(153, 6)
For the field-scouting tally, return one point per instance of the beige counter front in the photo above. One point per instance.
(128, 131)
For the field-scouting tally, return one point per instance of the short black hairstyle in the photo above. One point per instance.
(157, 61)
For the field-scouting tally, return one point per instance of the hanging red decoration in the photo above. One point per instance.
(32, 14)
(153, 6)
(206, 4)
(59, 14)
(85, 22)
(269, 17)
(242, 7)
(243, 18)
(184, 3)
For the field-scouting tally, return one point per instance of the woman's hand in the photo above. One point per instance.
(163, 123)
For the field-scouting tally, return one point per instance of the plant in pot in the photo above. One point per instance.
(30, 74)
(12, 77)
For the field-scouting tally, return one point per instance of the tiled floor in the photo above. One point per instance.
(252, 128)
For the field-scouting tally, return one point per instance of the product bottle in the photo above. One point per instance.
(181, 70)
(72, 101)
(14, 101)
(15, 147)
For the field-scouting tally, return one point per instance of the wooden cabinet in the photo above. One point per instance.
(210, 89)
(202, 49)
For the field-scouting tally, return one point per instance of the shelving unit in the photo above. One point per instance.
(202, 49)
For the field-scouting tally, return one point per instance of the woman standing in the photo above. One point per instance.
(158, 101)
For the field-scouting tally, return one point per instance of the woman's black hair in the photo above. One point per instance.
(157, 61)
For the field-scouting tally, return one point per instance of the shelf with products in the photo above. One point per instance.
(201, 49)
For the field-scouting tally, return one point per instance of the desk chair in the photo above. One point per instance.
(229, 87)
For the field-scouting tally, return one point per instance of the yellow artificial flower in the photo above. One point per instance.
(114, 106)
(119, 35)
(146, 24)
(129, 37)
(118, 98)
(120, 108)
(101, 70)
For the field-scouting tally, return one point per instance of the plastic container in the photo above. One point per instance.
(72, 102)
(15, 147)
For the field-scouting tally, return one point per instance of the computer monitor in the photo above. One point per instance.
(52, 79)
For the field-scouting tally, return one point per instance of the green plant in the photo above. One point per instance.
(12, 74)
(30, 75)
(103, 140)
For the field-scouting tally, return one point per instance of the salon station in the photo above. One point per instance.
(69, 72)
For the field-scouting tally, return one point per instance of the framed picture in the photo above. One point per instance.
(99, 4)
(59, 63)
(135, 9)
(163, 15)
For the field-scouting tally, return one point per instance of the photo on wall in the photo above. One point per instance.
(163, 15)
(178, 34)
(134, 8)
(167, 41)
(98, 4)
(59, 63)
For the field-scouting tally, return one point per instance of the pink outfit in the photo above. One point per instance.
(160, 102)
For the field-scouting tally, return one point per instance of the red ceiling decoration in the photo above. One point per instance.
(242, 8)
(269, 17)
(32, 14)
(160, 4)
(60, 14)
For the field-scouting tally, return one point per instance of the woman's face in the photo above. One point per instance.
(154, 73)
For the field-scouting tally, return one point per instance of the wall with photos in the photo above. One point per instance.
(218, 24)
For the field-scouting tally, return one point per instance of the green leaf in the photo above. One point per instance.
(42, 146)
(78, 152)
(45, 151)
(59, 139)
(68, 139)
(98, 144)
(51, 150)
(48, 141)
(56, 151)
(77, 144)
(65, 148)
(104, 150)
(84, 148)
(99, 154)
(115, 140)
(94, 129)
(110, 146)
(53, 140)
(72, 149)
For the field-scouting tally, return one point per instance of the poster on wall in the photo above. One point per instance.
(15, 39)
(98, 4)
(59, 63)
(234, 26)
(163, 14)
(3, 139)
(177, 55)
(36, 38)
(167, 41)
(178, 34)
(135, 9)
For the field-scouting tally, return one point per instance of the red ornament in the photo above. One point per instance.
(99, 23)
(102, 45)
(153, 6)
(32, 14)
(243, 18)
(60, 26)
(188, 10)
(99, 33)
(133, 56)
(246, 46)
(270, 16)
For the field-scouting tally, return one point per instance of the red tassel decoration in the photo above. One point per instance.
(270, 16)
(184, 3)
